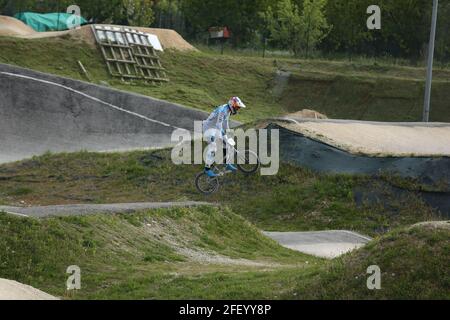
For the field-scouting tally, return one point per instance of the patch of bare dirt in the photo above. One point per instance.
(434, 225)
(13, 27)
(170, 39)
(307, 114)
(166, 230)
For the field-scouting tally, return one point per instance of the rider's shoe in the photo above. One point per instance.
(210, 173)
(231, 168)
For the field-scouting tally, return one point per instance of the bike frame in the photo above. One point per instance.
(231, 150)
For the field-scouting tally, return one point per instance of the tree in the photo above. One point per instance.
(314, 25)
(102, 11)
(348, 18)
(126, 12)
(283, 24)
(4, 6)
(442, 39)
(122, 12)
(406, 26)
(297, 30)
(138, 12)
(169, 14)
(404, 31)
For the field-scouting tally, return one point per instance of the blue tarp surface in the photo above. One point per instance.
(49, 21)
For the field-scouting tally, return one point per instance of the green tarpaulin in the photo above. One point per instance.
(49, 21)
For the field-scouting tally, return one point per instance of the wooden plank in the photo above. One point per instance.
(149, 67)
(146, 56)
(113, 45)
(130, 60)
(123, 58)
(122, 61)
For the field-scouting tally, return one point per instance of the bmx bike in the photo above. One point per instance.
(247, 162)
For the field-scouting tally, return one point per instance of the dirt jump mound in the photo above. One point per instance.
(170, 39)
(14, 27)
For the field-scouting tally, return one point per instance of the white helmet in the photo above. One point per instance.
(235, 104)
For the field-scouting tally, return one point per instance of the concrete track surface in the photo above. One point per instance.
(84, 209)
(377, 139)
(13, 290)
(41, 112)
(314, 144)
(324, 244)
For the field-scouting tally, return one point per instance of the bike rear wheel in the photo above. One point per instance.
(206, 184)
(248, 162)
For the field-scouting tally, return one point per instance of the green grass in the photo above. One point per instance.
(293, 200)
(56, 55)
(243, 285)
(354, 90)
(140, 255)
(413, 262)
(137, 256)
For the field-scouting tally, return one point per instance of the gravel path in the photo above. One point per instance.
(84, 209)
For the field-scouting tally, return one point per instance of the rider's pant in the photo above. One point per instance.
(212, 137)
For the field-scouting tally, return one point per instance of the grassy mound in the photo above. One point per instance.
(211, 253)
(413, 262)
(367, 91)
(293, 200)
(151, 254)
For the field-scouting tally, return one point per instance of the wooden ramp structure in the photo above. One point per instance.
(129, 54)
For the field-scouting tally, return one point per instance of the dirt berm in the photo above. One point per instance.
(41, 112)
(11, 27)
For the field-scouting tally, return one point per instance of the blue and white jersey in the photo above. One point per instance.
(218, 119)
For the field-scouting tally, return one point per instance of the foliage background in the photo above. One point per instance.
(303, 27)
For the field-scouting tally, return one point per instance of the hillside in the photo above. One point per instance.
(413, 262)
(211, 253)
(295, 199)
(359, 90)
(150, 254)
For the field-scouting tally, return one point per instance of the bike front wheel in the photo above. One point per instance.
(206, 184)
(248, 161)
